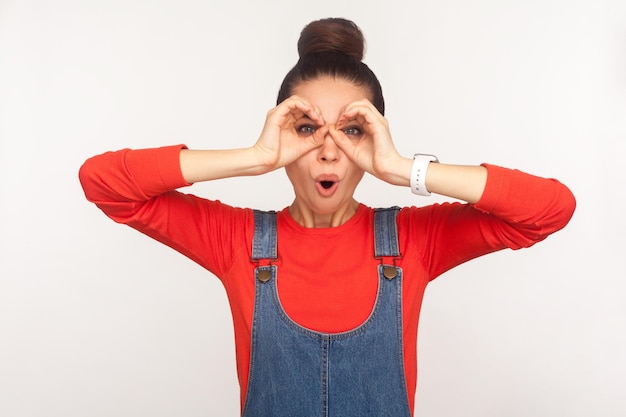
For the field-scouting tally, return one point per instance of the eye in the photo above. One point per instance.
(306, 129)
(352, 131)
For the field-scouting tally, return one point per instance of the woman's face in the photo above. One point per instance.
(324, 179)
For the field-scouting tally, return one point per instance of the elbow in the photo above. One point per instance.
(92, 175)
(565, 209)
(557, 215)
(87, 178)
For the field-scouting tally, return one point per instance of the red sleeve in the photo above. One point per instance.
(138, 188)
(515, 211)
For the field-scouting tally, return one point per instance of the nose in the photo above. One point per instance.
(329, 151)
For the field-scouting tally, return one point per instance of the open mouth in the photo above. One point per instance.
(327, 184)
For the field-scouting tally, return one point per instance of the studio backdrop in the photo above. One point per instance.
(98, 320)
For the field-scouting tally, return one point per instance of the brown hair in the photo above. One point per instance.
(332, 47)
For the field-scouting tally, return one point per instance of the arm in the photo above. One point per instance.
(516, 210)
(462, 182)
(123, 182)
(376, 154)
(138, 187)
(120, 183)
(507, 208)
(278, 145)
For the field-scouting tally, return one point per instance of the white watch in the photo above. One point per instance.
(418, 173)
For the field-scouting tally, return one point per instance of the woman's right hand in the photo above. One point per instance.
(286, 135)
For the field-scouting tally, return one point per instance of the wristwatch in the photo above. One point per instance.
(421, 161)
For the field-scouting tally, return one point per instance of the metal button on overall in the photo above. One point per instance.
(264, 275)
(390, 272)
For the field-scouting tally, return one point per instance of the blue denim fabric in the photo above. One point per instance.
(297, 372)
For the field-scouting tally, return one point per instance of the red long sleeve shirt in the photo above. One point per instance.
(328, 275)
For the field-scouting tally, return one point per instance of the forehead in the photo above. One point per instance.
(330, 95)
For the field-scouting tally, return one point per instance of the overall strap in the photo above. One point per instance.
(264, 242)
(386, 233)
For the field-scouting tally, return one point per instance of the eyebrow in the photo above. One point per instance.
(307, 118)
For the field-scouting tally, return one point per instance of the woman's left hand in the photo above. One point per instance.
(362, 133)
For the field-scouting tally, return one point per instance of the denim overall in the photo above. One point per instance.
(297, 372)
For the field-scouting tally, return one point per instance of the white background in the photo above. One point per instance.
(98, 320)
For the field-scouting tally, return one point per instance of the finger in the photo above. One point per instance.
(362, 111)
(318, 114)
(319, 135)
(298, 107)
(341, 139)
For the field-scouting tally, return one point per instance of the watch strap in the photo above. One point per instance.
(419, 168)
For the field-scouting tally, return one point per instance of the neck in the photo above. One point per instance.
(306, 217)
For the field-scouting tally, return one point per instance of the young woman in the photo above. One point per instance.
(326, 293)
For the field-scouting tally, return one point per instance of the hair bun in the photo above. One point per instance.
(332, 35)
